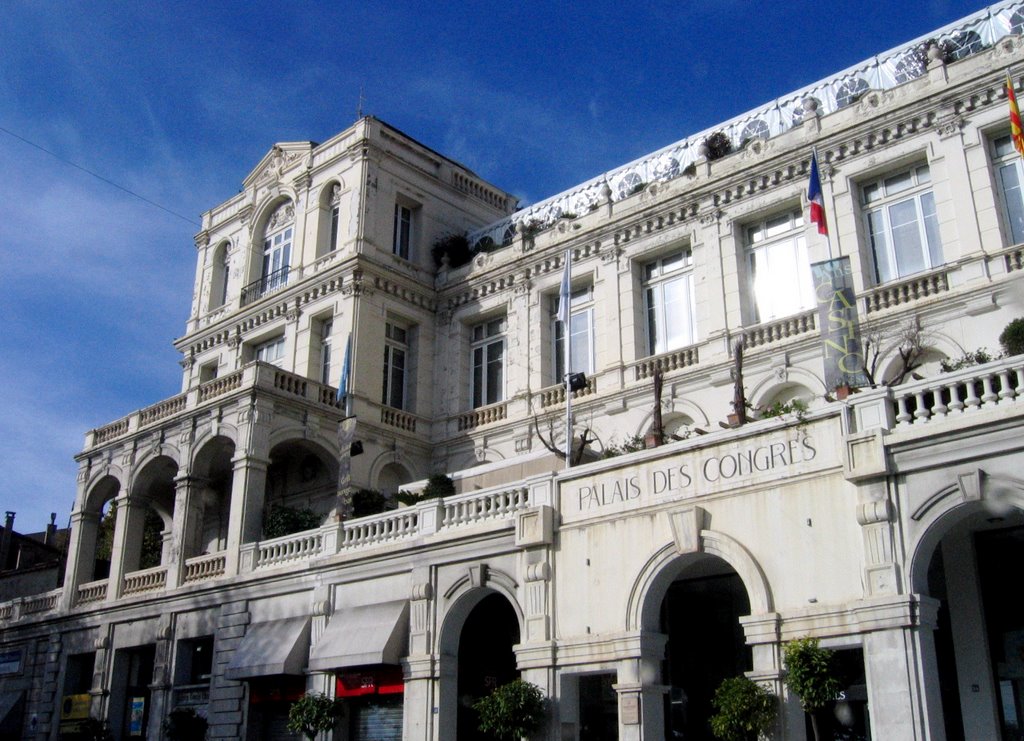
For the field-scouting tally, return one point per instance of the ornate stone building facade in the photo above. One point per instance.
(885, 523)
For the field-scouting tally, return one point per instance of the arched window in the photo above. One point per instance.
(277, 254)
(221, 272)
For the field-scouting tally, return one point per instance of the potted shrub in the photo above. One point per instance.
(811, 673)
(314, 713)
(184, 724)
(453, 246)
(744, 710)
(512, 711)
(1011, 339)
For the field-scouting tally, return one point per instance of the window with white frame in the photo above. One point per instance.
(488, 362)
(1010, 179)
(271, 351)
(326, 330)
(403, 235)
(396, 366)
(277, 253)
(335, 216)
(669, 302)
(902, 224)
(581, 322)
(779, 269)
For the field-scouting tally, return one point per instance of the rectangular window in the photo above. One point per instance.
(326, 328)
(271, 351)
(669, 302)
(402, 245)
(488, 362)
(581, 322)
(396, 357)
(902, 224)
(780, 271)
(1009, 179)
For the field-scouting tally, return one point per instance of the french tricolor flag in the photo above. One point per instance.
(815, 198)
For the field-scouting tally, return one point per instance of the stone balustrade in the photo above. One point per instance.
(999, 384)
(382, 528)
(908, 291)
(94, 591)
(255, 375)
(41, 602)
(497, 506)
(782, 329)
(482, 416)
(555, 395)
(288, 549)
(666, 362)
(398, 419)
(220, 386)
(146, 580)
(205, 567)
(479, 506)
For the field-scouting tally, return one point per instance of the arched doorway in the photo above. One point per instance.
(700, 611)
(477, 643)
(967, 562)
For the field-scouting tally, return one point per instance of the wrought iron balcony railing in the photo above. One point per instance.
(267, 284)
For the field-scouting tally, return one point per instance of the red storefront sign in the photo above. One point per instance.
(384, 680)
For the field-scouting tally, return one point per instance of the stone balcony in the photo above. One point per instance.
(254, 376)
(494, 511)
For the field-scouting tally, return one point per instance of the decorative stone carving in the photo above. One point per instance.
(710, 218)
(284, 215)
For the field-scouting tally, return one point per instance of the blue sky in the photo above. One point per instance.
(178, 101)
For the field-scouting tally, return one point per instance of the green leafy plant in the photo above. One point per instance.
(968, 359)
(530, 229)
(1011, 339)
(281, 520)
(92, 729)
(511, 711)
(438, 485)
(812, 674)
(367, 502)
(717, 145)
(637, 187)
(744, 710)
(631, 444)
(184, 724)
(314, 713)
(796, 407)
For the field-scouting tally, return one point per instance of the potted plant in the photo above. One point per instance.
(1011, 339)
(744, 710)
(314, 713)
(184, 724)
(811, 673)
(512, 711)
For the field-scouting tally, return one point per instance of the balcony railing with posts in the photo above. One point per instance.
(255, 375)
(553, 395)
(266, 285)
(997, 385)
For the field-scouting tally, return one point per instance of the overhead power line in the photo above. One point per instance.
(99, 177)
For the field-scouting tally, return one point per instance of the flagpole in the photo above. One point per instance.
(566, 311)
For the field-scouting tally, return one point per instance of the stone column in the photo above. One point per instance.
(124, 558)
(641, 692)
(249, 480)
(245, 520)
(81, 555)
(186, 527)
(900, 698)
(419, 668)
